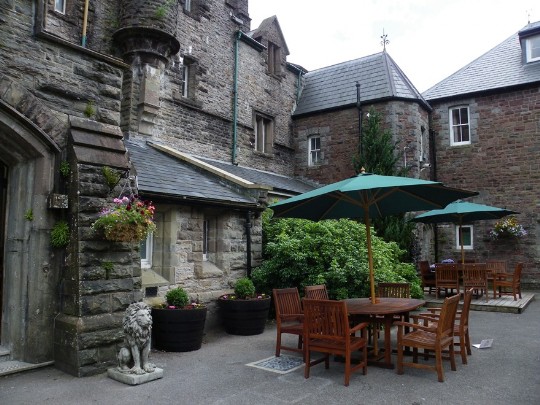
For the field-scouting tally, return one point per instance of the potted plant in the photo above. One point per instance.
(245, 312)
(131, 219)
(178, 325)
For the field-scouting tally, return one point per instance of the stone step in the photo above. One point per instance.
(4, 354)
(14, 366)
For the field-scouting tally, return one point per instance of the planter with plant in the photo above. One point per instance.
(131, 219)
(245, 312)
(178, 324)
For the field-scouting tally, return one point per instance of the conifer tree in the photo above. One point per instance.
(377, 154)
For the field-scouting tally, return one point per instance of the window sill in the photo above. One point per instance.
(263, 154)
(149, 278)
(189, 102)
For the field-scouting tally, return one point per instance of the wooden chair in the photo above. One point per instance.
(428, 277)
(394, 290)
(475, 277)
(494, 266)
(289, 317)
(316, 292)
(447, 277)
(327, 330)
(461, 325)
(505, 281)
(431, 338)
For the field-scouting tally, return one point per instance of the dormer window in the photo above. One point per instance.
(274, 59)
(533, 48)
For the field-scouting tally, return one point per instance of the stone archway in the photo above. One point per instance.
(30, 270)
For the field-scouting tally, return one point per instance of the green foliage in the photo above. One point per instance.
(89, 110)
(107, 266)
(60, 234)
(244, 288)
(112, 177)
(379, 156)
(177, 297)
(298, 252)
(29, 215)
(161, 10)
(64, 168)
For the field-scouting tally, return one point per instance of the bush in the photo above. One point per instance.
(298, 252)
(177, 297)
(60, 235)
(244, 288)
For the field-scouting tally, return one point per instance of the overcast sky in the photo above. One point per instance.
(428, 39)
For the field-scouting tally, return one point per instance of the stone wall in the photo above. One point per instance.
(502, 161)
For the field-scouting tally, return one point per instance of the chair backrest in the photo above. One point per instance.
(446, 272)
(464, 317)
(423, 266)
(517, 273)
(496, 266)
(316, 292)
(325, 319)
(474, 273)
(394, 290)
(445, 325)
(286, 301)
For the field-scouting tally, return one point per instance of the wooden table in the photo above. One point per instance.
(387, 308)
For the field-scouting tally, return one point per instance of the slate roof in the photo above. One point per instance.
(276, 181)
(160, 174)
(499, 68)
(334, 86)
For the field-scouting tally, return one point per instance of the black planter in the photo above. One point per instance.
(178, 330)
(244, 317)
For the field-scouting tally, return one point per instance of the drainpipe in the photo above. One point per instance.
(298, 84)
(359, 107)
(433, 173)
(235, 101)
(248, 242)
(85, 23)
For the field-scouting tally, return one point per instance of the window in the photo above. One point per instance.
(184, 80)
(314, 148)
(206, 238)
(274, 59)
(187, 5)
(60, 6)
(467, 235)
(264, 133)
(459, 126)
(147, 248)
(533, 48)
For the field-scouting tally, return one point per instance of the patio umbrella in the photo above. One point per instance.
(462, 212)
(368, 196)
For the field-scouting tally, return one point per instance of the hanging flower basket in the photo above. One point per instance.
(131, 219)
(507, 228)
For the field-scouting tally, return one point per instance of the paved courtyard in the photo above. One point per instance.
(506, 373)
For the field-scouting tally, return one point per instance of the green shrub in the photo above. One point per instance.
(112, 177)
(299, 252)
(65, 170)
(177, 297)
(244, 288)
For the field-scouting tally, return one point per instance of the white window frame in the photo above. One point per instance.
(184, 80)
(465, 228)
(314, 153)
(206, 239)
(533, 44)
(187, 5)
(60, 6)
(146, 263)
(459, 125)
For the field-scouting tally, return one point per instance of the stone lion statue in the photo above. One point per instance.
(133, 357)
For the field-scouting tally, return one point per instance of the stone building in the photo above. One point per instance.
(192, 109)
(485, 128)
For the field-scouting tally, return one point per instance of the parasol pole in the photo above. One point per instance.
(370, 254)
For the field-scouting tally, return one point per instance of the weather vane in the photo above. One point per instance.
(384, 41)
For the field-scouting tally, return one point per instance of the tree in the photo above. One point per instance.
(377, 154)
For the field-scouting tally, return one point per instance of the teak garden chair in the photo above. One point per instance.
(316, 292)
(475, 277)
(447, 277)
(504, 281)
(428, 277)
(461, 325)
(289, 317)
(327, 330)
(495, 266)
(430, 338)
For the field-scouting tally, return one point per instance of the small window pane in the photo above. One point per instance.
(467, 235)
(60, 6)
